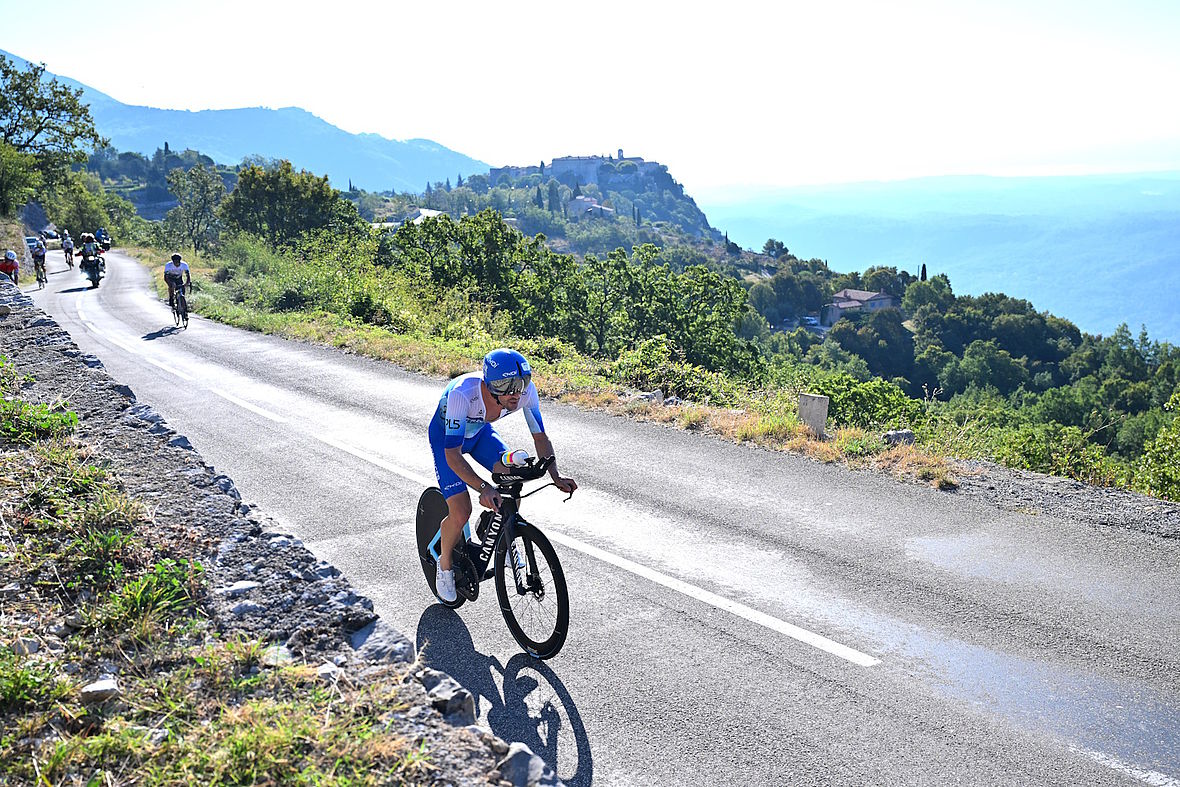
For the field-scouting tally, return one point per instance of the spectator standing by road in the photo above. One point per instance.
(11, 266)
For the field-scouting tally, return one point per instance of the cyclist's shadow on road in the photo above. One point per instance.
(171, 329)
(535, 707)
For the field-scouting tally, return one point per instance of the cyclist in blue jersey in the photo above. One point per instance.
(462, 424)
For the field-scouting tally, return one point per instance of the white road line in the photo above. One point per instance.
(376, 460)
(247, 405)
(1154, 778)
(133, 350)
(720, 602)
(158, 364)
(169, 369)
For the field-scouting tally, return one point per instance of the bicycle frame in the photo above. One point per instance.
(503, 524)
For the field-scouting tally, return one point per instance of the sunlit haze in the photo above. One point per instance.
(735, 94)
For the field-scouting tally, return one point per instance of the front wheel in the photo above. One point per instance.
(535, 604)
(184, 312)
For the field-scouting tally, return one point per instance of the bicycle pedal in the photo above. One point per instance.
(466, 583)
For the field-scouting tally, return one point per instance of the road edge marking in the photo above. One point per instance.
(720, 602)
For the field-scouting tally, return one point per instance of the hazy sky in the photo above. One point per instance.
(731, 93)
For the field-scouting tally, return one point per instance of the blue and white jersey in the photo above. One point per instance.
(462, 411)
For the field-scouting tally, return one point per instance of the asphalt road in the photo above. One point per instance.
(739, 616)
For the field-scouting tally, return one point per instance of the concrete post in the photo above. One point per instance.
(813, 411)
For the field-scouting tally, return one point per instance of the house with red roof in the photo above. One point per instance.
(849, 300)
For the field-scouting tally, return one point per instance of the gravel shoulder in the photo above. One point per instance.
(1066, 499)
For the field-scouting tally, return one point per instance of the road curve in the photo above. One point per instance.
(739, 616)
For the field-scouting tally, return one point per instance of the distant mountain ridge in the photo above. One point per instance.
(369, 161)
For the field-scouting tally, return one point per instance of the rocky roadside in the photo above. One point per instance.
(1064, 498)
(262, 583)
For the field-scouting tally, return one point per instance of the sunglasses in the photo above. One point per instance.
(510, 385)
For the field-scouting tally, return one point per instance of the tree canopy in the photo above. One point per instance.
(280, 204)
(44, 118)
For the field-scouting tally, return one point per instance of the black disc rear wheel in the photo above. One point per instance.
(537, 612)
(432, 509)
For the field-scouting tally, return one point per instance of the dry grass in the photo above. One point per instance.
(912, 463)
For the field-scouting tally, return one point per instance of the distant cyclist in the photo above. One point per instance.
(176, 274)
(67, 247)
(39, 260)
(11, 266)
(462, 424)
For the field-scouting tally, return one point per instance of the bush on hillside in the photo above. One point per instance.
(1158, 472)
(1060, 450)
(868, 404)
(656, 363)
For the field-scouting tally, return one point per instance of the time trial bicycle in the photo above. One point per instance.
(530, 584)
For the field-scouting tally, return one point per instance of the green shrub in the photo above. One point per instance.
(869, 404)
(655, 363)
(1158, 471)
(1059, 450)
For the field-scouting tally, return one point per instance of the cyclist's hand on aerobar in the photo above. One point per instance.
(490, 498)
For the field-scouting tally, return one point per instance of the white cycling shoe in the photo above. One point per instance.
(444, 584)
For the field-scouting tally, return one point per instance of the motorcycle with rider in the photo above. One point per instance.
(93, 265)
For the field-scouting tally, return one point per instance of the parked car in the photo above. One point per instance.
(810, 322)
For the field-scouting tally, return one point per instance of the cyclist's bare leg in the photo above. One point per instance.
(458, 514)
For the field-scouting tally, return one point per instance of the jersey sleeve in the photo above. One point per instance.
(531, 404)
(454, 418)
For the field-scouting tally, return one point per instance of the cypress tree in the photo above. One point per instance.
(554, 196)
(923, 276)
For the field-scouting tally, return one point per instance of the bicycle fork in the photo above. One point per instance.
(524, 571)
